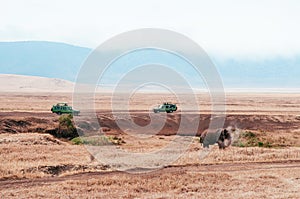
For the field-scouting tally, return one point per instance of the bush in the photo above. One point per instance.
(260, 144)
(77, 141)
(66, 128)
(97, 140)
(238, 143)
(249, 134)
(251, 139)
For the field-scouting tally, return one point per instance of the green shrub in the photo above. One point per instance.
(249, 134)
(66, 128)
(97, 140)
(241, 144)
(77, 141)
(250, 139)
(238, 143)
(260, 144)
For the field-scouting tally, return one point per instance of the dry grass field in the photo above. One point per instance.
(264, 163)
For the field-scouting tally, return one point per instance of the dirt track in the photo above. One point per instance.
(174, 170)
(216, 177)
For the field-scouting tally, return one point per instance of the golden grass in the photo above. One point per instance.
(33, 155)
(272, 183)
(22, 155)
(197, 155)
(211, 173)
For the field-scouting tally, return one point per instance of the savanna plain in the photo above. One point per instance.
(262, 162)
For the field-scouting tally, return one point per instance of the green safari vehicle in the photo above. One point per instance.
(165, 107)
(63, 108)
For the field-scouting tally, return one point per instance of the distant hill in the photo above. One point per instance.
(39, 58)
(63, 61)
(21, 83)
(274, 72)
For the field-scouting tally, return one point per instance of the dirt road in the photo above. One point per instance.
(174, 170)
(286, 174)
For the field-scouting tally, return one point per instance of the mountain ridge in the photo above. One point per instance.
(42, 58)
(63, 61)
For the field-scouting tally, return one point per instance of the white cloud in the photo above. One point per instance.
(232, 27)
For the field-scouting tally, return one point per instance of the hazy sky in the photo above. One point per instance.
(229, 28)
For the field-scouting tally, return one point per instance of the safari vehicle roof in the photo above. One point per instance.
(62, 104)
(168, 103)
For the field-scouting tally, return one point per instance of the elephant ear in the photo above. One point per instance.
(202, 136)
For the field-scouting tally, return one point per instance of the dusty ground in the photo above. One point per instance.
(34, 164)
(236, 103)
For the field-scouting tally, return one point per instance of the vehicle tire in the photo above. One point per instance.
(168, 111)
(58, 113)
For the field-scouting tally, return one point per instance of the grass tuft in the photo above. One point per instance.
(97, 140)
